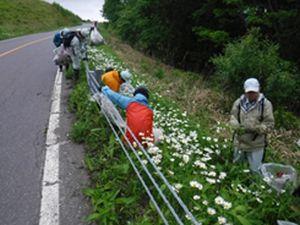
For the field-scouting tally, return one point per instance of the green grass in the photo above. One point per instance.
(20, 17)
(159, 73)
(69, 73)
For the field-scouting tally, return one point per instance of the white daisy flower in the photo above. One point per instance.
(219, 200)
(211, 211)
(205, 202)
(221, 220)
(196, 197)
(227, 205)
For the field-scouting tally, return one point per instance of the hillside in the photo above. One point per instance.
(19, 17)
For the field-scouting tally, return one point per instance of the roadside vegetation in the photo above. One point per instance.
(195, 155)
(20, 17)
(194, 57)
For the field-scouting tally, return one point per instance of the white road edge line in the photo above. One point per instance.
(49, 211)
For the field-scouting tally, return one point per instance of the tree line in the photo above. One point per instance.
(196, 36)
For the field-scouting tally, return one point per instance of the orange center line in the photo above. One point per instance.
(23, 46)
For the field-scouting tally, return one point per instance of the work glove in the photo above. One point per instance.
(259, 128)
(103, 89)
(255, 127)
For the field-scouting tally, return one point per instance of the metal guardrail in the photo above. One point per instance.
(113, 117)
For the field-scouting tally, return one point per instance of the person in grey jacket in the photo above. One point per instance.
(76, 46)
(252, 119)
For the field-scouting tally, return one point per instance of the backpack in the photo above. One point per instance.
(67, 38)
(57, 40)
(139, 119)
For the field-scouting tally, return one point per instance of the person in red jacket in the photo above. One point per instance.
(139, 116)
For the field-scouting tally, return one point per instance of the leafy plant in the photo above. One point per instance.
(253, 56)
(286, 119)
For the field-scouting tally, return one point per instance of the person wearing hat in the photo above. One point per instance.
(62, 57)
(252, 119)
(114, 79)
(126, 88)
(75, 42)
(139, 116)
(84, 34)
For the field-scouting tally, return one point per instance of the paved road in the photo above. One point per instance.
(26, 81)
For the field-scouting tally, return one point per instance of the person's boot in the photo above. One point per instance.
(76, 75)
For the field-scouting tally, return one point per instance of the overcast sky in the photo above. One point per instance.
(86, 9)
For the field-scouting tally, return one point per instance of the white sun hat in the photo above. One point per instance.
(251, 84)
(126, 75)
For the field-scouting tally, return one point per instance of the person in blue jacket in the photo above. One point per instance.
(139, 116)
(141, 96)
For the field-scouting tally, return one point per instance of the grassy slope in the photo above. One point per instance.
(19, 17)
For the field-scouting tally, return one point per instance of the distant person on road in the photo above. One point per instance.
(252, 119)
(76, 44)
(118, 81)
(61, 57)
(139, 116)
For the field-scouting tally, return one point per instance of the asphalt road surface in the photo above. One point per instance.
(27, 76)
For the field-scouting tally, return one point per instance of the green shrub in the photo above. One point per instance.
(286, 119)
(254, 57)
